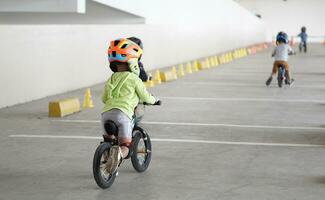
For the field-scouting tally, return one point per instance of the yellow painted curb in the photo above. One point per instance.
(168, 76)
(64, 107)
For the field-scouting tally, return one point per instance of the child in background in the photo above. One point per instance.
(303, 39)
(143, 74)
(280, 54)
(122, 93)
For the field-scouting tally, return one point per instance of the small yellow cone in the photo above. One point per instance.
(234, 54)
(216, 61)
(189, 68)
(157, 77)
(212, 62)
(231, 58)
(220, 60)
(227, 58)
(196, 66)
(200, 65)
(207, 63)
(88, 102)
(149, 83)
(180, 70)
(244, 53)
(174, 70)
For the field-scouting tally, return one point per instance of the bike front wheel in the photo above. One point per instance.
(141, 156)
(103, 177)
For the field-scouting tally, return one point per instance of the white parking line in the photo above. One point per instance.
(207, 124)
(176, 141)
(245, 84)
(236, 125)
(245, 99)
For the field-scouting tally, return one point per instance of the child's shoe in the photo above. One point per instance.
(116, 156)
(291, 82)
(268, 82)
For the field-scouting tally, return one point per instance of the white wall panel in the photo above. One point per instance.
(42, 6)
(42, 60)
(290, 16)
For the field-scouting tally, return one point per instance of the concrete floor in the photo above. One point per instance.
(227, 137)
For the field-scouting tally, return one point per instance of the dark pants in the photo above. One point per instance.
(303, 45)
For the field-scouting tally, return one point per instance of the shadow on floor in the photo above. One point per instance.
(318, 179)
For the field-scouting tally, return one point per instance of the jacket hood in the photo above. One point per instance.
(116, 83)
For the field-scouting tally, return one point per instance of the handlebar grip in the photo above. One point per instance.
(157, 103)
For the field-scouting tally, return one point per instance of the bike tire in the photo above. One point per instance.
(102, 182)
(142, 151)
(280, 79)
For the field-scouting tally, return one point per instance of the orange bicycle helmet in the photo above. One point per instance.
(125, 51)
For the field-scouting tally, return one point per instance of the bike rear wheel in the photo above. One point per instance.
(103, 178)
(141, 156)
(280, 77)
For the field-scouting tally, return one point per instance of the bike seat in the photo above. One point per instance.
(111, 128)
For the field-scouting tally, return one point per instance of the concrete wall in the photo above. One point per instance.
(97, 13)
(183, 11)
(42, 6)
(42, 60)
(290, 15)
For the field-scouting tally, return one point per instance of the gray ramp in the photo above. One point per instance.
(220, 134)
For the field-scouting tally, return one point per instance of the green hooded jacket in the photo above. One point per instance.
(124, 90)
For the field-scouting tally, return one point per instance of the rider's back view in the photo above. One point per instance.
(122, 93)
(303, 39)
(281, 55)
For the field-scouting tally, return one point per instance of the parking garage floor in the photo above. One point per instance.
(220, 134)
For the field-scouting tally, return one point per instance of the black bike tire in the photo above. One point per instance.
(134, 158)
(280, 81)
(105, 146)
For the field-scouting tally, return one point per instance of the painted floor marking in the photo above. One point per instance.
(206, 124)
(245, 99)
(245, 84)
(176, 141)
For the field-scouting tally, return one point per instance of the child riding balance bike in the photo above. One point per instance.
(123, 138)
(281, 55)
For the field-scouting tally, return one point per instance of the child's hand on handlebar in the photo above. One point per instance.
(157, 103)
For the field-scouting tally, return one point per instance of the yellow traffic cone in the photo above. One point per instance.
(234, 54)
(174, 70)
(200, 65)
(196, 66)
(157, 77)
(244, 53)
(207, 63)
(212, 62)
(149, 83)
(180, 70)
(189, 68)
(216, 61)
(221, 61)
(227, 58)
(231, 57)
(88, 102)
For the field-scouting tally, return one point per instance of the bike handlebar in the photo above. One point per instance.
(157, 103)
